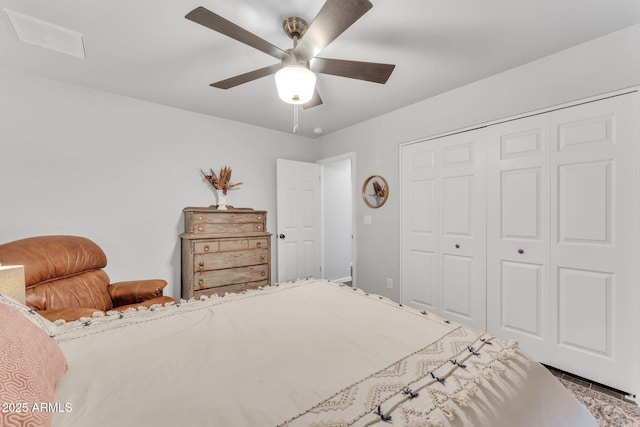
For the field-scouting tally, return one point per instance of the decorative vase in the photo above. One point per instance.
(222, 200)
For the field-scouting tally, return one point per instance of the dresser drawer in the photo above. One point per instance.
(230, 218)
(214, 228)
(235, 288)
(219, 260)
(229, 276)
(242, 244)
(217, 222)
(205, 247)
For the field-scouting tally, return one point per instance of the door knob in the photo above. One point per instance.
(520, 251)
(281, 236)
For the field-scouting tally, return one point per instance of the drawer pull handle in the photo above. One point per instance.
(200, 282)
(199, 228)
(262, 258)
(201, 264)
(258, 244)
(521, 251)
(457, 246)
(200, 217)
(259, 226)
(259, 218)
(264, 273)
(206, 248)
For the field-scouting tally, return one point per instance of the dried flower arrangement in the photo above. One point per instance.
(221, 181)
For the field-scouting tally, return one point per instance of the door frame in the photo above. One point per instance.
(352, 157)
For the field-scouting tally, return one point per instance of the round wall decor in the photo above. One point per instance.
(375, 191)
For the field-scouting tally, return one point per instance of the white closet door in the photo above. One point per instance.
(419, 286)
(443, 227)
(593, 155)
(462, 228)
(517, 233)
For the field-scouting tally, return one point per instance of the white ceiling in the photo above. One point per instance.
(147, 50)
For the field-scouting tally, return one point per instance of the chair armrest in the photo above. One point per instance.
(163, 300)
(135, 291)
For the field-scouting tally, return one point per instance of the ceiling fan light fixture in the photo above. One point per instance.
(295, 84)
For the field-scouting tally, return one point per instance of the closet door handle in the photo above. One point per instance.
(457, 246)
(520, 251)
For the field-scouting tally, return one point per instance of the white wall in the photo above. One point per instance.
(599, 66)
(119, 171)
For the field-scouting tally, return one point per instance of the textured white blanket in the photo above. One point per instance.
(307, 353)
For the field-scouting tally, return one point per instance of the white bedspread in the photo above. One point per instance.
(308, 353)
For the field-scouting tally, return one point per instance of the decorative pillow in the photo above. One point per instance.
(45, 324)
(30, 365)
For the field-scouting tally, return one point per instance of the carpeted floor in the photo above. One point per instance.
(608, 410)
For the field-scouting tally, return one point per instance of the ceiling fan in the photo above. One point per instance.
(295, 78)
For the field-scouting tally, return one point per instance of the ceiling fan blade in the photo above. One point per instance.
(205, 17)
(369, 71)
(332, 20)
(314, 102)
(246, 77)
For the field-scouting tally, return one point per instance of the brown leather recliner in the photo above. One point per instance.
(64, 278)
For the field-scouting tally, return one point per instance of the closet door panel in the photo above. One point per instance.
(577, 131)
(517, 233)
(422, 214)
(421, 279)
(443, 251)
(520, 211)
(585, 194)
(456, 206)
(593, 224)
(457, 257)
(457, 278)
(585, 310)
(420, 275)
(521, 298)
(462, 225)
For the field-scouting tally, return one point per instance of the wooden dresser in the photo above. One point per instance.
(224, 251)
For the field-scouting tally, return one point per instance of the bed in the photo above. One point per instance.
(307, 353)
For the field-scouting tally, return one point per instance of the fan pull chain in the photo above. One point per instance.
(295, 118)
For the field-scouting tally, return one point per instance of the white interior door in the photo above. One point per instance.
(593, 232)
(299, 226)
(518, 233)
